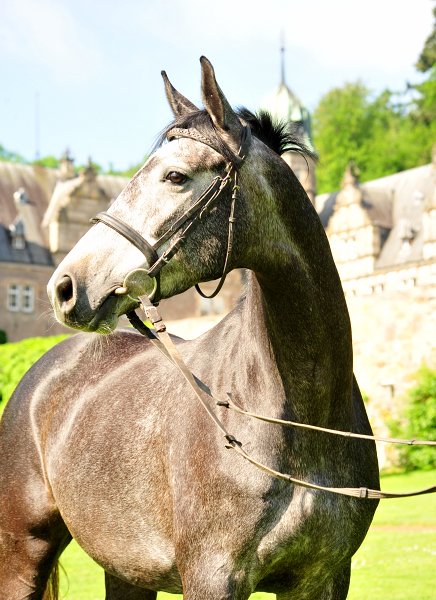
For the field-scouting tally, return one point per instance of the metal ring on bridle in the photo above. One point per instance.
(126, 285)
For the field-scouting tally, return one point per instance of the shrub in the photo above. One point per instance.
(17, 358)
(419, 422)
(3, 336)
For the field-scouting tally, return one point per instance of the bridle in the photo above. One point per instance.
(198, 211)
(162, 341)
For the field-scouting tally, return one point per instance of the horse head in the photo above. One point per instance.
(207, 150)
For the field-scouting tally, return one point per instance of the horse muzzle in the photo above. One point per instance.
(79, 308)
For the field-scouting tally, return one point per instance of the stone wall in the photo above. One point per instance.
(39, 321)
(393, 334)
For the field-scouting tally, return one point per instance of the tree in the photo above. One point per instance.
(349, 123)
(49, 162)
(419, 422)
(427, 58)
(6, 155)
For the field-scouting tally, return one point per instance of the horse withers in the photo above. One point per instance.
(106, 443)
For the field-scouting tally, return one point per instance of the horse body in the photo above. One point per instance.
(117, 450)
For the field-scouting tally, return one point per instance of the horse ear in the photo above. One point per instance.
(215, 102)
(179, 104)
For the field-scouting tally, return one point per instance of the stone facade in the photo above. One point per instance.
(74, 202)
(43, 213)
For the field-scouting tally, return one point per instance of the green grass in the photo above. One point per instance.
(397, 560)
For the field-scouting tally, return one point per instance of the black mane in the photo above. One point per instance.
(279, 136)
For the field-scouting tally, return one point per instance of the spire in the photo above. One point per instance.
(66, 165)
(282, 57)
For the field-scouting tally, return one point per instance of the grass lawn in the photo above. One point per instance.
(397, 560)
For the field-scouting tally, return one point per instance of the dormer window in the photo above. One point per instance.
(18, 242)
(347, 249)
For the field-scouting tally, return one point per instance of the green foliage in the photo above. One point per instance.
(349, 123)
(7, 155)
(130, 172)
(97, 168)
(51, 162)
(48, 162)
(17, 358)
(364, 397)
(427, 57)
(419, 422)
(383, 134)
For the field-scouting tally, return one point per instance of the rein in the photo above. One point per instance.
(201, 208)
(166, 346)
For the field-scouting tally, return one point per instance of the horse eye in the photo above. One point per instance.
(175, 177)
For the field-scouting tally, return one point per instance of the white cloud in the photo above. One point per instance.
(45, 32)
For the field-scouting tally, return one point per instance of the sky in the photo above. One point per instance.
(91, 69)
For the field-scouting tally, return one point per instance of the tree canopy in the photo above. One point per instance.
(427, 58)
(384, 134)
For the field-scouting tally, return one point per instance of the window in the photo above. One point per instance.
(21, 298)
(205, 306)
(212, 306)
(14, 298)
(352, 248)
(218, 305)
(28, 300)
(343, 250)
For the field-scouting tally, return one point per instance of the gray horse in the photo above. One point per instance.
(112, 447)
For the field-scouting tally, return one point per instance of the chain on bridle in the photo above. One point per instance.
(162, 341)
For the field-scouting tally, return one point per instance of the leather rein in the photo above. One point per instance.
(162, 341)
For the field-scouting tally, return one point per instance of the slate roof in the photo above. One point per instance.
(411, 190)
(32, 253)
(39, 184)
(396, 203)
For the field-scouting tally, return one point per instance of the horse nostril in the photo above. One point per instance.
(65, 292)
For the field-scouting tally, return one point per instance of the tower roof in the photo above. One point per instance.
(284, 105)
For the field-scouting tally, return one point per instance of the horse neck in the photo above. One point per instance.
(298, 315)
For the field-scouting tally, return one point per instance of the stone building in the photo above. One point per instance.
(383, 232)
(33, 239)
(382, 235)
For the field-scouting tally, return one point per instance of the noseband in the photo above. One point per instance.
(199, 211)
